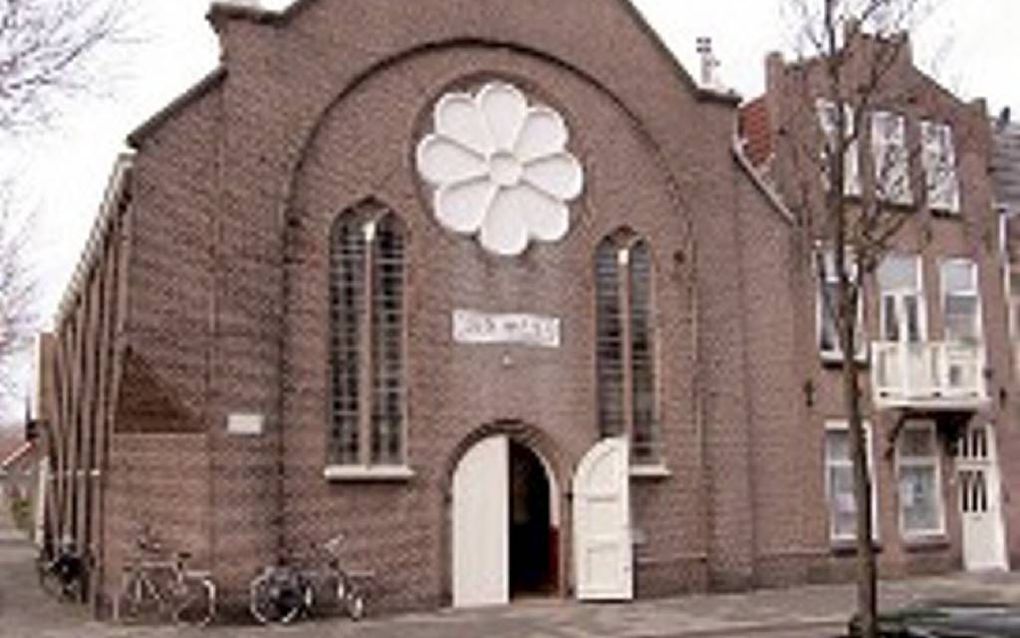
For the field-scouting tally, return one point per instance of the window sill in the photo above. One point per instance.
(658, 471)
(367, 474)
(835, 359)
(926, 542)
(848, 546)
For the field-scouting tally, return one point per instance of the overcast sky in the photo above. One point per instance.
(975, 43)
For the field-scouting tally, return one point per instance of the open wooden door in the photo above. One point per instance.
(481, 544)
(602, 532)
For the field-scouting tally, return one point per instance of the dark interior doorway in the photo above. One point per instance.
(533, 539)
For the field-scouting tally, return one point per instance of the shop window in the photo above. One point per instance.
(367, 344)
(626, 345)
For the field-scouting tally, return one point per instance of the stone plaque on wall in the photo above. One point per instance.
(472, 327)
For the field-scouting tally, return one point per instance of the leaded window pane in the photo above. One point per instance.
(387, 423)
(642, 352)
(609, 342)
(347, 298)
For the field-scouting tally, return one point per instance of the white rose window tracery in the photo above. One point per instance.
(500, 169)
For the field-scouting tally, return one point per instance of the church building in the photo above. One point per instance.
(488, 286)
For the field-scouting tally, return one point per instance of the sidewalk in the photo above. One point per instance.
(801, 612)
(8, 533)
(817, 610)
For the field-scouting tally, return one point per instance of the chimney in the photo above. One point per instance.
(709, 64)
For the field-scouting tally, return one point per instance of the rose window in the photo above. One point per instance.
(500, 169)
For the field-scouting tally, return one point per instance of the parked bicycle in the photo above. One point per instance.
(63, 571)
(155, 589)
(283, 592)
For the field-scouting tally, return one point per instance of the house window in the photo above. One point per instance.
(828, 308)
(839, 482)
(891, 161)
(626, 345)
(938, 157)
(961, 301)
(902, 311)
(851, 158)
(917, 463)
(367, 276)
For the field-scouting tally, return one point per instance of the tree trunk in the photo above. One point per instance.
(867, 603)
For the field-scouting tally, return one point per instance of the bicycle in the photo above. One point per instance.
(62, 573)
(156, 589)
(283, 592)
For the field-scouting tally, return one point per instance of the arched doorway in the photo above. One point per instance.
(534, 537)
(505, 524)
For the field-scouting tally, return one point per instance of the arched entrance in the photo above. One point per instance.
(505, 524)
(533, 531)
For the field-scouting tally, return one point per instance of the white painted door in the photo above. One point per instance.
(977, 470)
(602, 532)
(481, 543)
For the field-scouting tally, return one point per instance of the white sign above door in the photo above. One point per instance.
(473, 327)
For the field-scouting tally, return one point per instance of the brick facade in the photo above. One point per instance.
(214, 290)
(780, 131)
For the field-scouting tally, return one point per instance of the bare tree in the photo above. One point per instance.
(54, 51)
(851, 50)
(17, 291)
(52, 54)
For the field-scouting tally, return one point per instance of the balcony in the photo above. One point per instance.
(929, 375)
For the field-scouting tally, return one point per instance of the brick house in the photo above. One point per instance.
(511, 311)
(941, 400)
(1006, 181)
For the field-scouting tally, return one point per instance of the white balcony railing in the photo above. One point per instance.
(929, 375)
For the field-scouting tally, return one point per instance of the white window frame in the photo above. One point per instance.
(844, 426)
(975, 291)
(835, 355)
(918, 289)
(938, 157)
(851, 161)
(934, 462)
(892, 147)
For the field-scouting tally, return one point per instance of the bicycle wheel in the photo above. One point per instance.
(196, 602)
(354, 603)
(139, 601)
(49, 579)
(274, 600)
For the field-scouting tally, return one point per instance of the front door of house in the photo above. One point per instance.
(979, 496)
(602, 530)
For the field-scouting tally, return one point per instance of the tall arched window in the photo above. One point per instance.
(367, 274)
(625, 345)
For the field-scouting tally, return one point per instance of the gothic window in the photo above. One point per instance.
(367, 278)
(626, 345)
